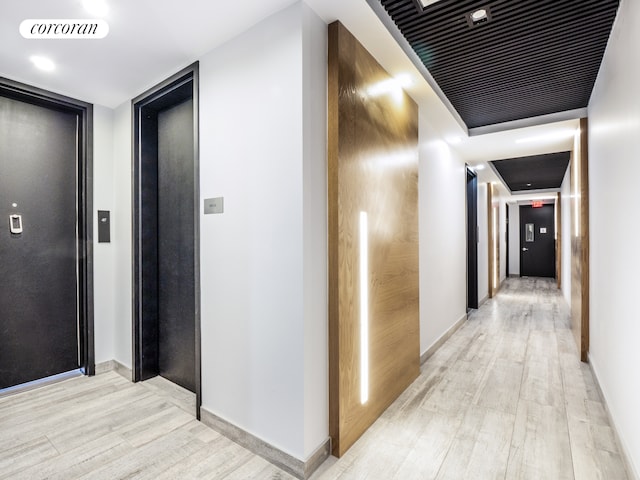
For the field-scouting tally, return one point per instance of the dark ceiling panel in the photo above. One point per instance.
(530, 58)
(538, 172)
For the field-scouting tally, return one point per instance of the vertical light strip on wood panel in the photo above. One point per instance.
(374, 345)
(364, 308)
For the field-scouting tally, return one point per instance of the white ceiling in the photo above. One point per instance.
(148, 40)
(151, 39)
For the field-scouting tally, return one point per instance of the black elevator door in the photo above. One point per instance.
(176, 272)
(537, 241)
(38, 281)
(472, 240)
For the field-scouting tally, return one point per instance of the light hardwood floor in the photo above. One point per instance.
(504, 398)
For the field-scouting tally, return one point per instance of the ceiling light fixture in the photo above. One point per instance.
(477, 168)
(426, 3)
(97, 8)
(43, 63)
(478, 17)
(454, 140)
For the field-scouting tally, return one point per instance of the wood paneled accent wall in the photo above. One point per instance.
(493, 212)
(372, 168)
(580, 241)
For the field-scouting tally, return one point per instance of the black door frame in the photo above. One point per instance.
(27, 93)
(507, 237)
(522, 244)
(188, 74)
(472, 238)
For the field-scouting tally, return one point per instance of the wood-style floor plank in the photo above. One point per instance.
(505, 397)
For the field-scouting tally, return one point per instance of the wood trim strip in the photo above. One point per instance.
(584, 234)
(494, 243)
(333, 136)
(580, 241)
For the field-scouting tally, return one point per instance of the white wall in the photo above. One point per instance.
(316, 335)
(614, 129)
(567, 218)
(483, 244)
(442, 230)
(121, 234)
(514, 239)
(103, 253)
(264, 291)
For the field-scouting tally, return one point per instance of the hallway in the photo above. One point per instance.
(504, 397)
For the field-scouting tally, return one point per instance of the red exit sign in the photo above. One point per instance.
(536, 204)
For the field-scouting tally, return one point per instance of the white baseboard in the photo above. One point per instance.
(443, 338)
(624, 451)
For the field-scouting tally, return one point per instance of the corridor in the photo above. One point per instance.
(504, 397)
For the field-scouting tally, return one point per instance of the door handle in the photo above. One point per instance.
(524, 249)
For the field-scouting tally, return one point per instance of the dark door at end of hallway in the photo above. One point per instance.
(537, 241)
(38, 283)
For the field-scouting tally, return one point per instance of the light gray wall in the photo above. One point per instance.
(614, 170)
(122, 234)
(442, 230)
(263, 268)
(103, 253)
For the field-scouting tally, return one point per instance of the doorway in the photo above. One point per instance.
(506, 240)
(166, 233)
(472, 240)
(537, 241)
(46, 286)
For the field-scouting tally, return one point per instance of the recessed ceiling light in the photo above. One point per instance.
(43, 63)
(98, 8)
(454, 140)
(426, 3)
(528, 184)
(477, 168)
(479, 15)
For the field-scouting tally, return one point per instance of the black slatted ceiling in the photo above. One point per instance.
(536, 172)
(531, 58)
